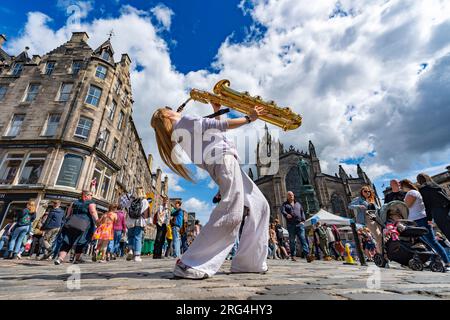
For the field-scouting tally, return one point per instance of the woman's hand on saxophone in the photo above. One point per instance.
(216, 106)
(256, 113)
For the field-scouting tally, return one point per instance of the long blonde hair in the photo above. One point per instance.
(31, 205)
(163, 130)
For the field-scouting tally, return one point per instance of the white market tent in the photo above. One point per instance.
(326, 217)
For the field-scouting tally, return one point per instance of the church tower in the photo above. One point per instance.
(266, 149)
(315, 163)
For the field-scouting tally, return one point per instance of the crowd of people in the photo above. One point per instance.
(429, 207)
(128, 229)
(428, 204)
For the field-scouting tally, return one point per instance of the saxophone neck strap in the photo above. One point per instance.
(218, 113)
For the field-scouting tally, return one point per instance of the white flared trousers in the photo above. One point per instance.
(215, 240)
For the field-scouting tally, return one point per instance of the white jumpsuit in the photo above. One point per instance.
(211, 247)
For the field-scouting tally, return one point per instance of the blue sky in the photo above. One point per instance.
(197, 30)
(369, 77)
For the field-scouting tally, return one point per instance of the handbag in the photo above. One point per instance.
(77, 223)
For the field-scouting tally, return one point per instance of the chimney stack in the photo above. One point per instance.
(2, 39)
(125, 60)
(150, 161)
(79, 37)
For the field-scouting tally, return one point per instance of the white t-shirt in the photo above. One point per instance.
(417, 211)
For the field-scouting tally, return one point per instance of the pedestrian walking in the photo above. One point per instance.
(51, 228)
(295, 217)
(168, 241)
(22, 227)
(365, 205)
(323, 240)
(161, 220)
(136, 221)
(436, 201)
(331, 242)
(120, 229)
(178, 215)
(104, 234)
(77, 231)
(417, 213)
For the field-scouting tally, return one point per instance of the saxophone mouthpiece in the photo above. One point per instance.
(180, 108)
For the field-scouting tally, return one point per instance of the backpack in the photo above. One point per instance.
(135, 210)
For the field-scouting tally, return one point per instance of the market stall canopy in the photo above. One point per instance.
(326, 217)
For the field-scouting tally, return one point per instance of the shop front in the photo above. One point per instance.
(10, 203)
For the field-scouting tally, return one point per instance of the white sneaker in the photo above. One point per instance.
(137, 259)
(183, 271)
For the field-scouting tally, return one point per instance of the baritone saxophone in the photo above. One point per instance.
(284, 118)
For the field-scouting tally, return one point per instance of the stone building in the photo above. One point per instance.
(300, 172)
(66, 125)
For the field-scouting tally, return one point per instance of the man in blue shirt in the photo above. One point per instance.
(51, 228)
(295, 217)
(177, 214)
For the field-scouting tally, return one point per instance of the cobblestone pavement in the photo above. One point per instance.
(152, 279)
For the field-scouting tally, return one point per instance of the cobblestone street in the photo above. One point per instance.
(152, 279)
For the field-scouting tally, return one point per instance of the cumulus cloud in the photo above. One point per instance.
(174, 182)
(201, 208)
(350, 68)
(164, 15)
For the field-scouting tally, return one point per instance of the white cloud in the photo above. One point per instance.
(79, 8)
(201, 174)
(202, 209)
(174, 182)
(212, 184)
(361, 65)
(164, 15)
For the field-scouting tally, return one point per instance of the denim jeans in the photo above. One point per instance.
(4, 240)
(430, 238)
(176, 241)
(56, 246)
(135, 240)
(17, 237)
(294, 232)
(235, 247)
(113, 245)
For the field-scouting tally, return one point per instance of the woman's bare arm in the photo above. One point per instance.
(409, 200)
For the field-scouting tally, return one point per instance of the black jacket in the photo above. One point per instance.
(434, 197)
(400, 196)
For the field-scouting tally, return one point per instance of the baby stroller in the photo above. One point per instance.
(401, 240)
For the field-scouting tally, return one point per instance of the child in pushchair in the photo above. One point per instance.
(402, 240)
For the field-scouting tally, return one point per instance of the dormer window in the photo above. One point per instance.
(106, 55)
(17, 70)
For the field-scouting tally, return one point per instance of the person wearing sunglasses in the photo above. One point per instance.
(363, 203)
